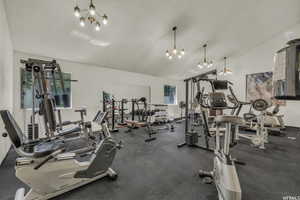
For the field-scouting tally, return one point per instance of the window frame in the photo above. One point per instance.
(37, 108)
(175, 97)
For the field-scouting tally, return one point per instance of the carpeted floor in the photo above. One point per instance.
(160, 171)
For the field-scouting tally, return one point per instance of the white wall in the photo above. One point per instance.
(6, 70)
(122, 91)
(92, 80)
(260, 59)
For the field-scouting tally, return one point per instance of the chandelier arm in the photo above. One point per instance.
(174, 38)
(98, 15)
(204, 53)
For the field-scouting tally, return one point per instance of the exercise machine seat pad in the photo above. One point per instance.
(46, 148)
(222, 119)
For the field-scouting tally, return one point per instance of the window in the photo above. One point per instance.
(170, 94)
(56, 91)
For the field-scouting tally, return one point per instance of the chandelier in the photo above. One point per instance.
(174, 52)
(206, 62)
(91, 15)
(225, 71)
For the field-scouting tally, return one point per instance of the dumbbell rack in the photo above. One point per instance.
(159, 113)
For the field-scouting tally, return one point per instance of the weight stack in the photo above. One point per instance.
(30, 136)
(30, 132)
(191, 138)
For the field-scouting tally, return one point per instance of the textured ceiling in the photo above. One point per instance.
(139, 31)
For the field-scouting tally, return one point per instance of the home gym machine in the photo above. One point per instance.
(224, 173)
(139, 108)
(123, 109)
(53, 165)
(191, 135)
(109, 105)
(51, 77)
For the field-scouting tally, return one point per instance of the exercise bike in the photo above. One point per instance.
(51, 166)
(224, 173)
(51, 170)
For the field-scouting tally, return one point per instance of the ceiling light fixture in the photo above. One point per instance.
(77, 11)
(225, 71)
(174, 52)
(91, 15)
(206, 62)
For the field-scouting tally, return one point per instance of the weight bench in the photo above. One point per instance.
(135, 124)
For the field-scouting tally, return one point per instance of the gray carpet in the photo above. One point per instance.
(160, 171)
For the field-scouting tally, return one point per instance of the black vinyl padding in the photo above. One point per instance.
(46, 148)
(220, 84)
(12, 128)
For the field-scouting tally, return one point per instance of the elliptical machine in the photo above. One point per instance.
(252, 121)
(52, 166)
(224, 173)
(261, 136)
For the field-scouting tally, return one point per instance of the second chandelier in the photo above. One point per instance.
(174, 52)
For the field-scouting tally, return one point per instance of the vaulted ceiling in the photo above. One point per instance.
(139, 31)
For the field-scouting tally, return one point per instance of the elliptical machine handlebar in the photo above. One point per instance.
(218, 96)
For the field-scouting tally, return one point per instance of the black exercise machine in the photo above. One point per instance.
(191, 136)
